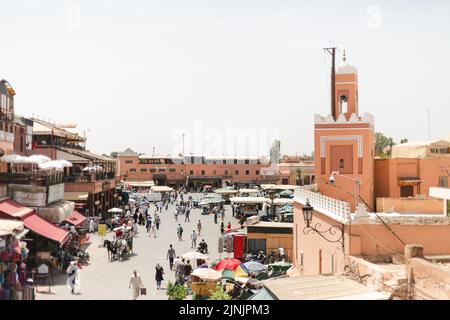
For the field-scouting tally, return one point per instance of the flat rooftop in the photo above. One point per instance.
(321, 287)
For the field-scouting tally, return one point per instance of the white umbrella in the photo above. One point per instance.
(37, 158)
(13, 158)
(207, 274)
(115, 210)
(66, 163)
(195, 256)
(50, 165)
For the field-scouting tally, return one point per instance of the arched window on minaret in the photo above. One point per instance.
(343, 107)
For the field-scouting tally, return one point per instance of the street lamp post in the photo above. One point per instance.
(336, 232)
(357, 182)
(272, 196)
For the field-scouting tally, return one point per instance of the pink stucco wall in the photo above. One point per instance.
(367, 240)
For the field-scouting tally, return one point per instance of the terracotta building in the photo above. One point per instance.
(343, 234)
(91, 181)
(402, 181)
(7, 94)
(296, 172)
(193, 170)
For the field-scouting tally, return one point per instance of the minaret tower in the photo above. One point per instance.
(344, 143)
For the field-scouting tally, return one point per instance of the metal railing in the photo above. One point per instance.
(44, 179)
(83, 177)
(332, 207)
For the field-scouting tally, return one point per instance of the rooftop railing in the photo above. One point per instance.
(335, 209)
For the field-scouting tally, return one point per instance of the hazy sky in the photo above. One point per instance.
(139, 73)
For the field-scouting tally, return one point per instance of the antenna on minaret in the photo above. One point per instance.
(332, 51)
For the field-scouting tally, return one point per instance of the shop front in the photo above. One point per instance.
(197, 182)
(13, 262)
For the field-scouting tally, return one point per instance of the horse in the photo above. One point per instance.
(122, 248)
(112, 251)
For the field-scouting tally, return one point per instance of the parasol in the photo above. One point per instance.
(13, 158)
(255, 266)
(207, 274)
(115, 210)
(230, 264)
(37, 158)
(193, 255)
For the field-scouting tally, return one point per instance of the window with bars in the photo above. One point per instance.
(443, 181)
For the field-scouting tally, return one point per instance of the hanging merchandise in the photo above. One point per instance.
(221, 244)
(238, 245)
(229, 243)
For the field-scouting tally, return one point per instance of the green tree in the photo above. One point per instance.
(219, 294)
(404, 140)
(176, 292)
(114, 154)
(383, 145)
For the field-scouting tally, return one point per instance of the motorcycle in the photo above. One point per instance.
(203, 249)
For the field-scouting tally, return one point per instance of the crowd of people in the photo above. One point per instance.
(141, 214)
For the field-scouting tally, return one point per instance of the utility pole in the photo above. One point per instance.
(183, 144)
(332, 51)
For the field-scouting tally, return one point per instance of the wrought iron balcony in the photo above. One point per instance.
(43, 179)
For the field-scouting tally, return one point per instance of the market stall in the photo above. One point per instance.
(13, 262)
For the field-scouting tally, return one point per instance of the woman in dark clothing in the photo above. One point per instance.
(159, 275)
(222, 228)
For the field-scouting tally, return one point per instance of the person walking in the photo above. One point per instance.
(222, 213)
(187, 270)
(199, 227)
(73, 276)
(229, 225)
(149, 223)
(157, 221)
(91, 225)
(153, 230)
(135, 284)
(188, 212)
(180, 272)
(215, 216)
(242, 221)
(180, 232)
(175, 214)
(135, 229)
(171, 256)
(175, 265)
(222, 228)
(193, 239)
(159, 275)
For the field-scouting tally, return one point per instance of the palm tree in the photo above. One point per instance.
(298, 176)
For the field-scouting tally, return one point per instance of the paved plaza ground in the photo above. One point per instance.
(103, 279)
